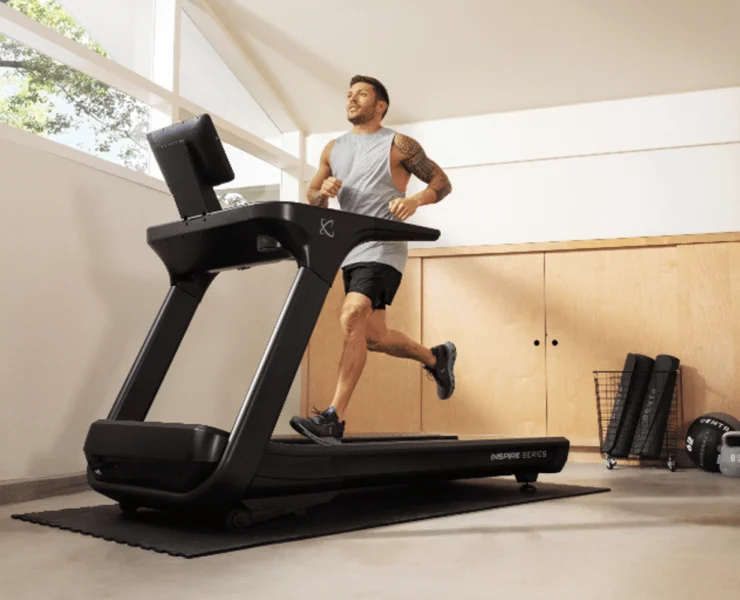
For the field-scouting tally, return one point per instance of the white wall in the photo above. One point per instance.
(123, 28)
(646, 166)
(80, 290)
(208, 81)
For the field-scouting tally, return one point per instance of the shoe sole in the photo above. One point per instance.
(451, 358)
(319, 440)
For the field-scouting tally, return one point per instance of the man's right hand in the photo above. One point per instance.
(323, 186)
(331, 186)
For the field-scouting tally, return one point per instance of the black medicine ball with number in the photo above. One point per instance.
(704, 439)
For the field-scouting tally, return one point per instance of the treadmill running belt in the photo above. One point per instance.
(351, 511)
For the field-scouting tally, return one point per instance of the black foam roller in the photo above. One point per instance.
(651, 428)
(620, 402)
(627, 405)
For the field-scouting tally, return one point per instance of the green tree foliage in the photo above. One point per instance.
(38, 82)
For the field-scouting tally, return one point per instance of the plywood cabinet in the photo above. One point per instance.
(709, 327)
(531, 327)
(492, 308)
(600, 306)
(388, 395)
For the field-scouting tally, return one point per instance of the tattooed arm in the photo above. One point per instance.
(416, 162)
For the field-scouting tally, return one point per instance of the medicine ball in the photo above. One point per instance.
(704, 439)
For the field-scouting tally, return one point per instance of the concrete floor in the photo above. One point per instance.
(656, 535)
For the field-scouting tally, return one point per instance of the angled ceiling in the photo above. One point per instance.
(469, 57)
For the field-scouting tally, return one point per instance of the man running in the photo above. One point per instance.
(368, 170)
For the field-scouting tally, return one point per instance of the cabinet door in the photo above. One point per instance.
(709, 328)
(492, 308)
(600, 306)
(387, 398)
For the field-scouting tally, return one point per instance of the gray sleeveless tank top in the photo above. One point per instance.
(363, 164)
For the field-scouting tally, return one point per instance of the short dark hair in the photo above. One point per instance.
(381, 93)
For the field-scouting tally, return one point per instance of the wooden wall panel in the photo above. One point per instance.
(492, 308)
(709, 328)
(600, 306)
(387, 398)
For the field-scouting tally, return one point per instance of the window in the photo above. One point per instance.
(120, 30)
(97, 102)
(43, 96)
(254, 180)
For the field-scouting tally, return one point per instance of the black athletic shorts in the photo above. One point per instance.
(377, 281)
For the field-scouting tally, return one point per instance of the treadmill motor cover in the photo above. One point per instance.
(170, 456)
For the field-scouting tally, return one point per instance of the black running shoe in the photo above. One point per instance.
(443, 371)
(323, 428)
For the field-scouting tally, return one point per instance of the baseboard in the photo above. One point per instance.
(14, 492)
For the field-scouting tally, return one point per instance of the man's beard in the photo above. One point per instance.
(360, 118)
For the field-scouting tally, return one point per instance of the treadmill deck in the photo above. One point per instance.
(299, 467)
(180, 457)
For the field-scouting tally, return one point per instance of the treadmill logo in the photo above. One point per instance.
(503, 456)
(327, 227)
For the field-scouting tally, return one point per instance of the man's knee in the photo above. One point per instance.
(354, 318)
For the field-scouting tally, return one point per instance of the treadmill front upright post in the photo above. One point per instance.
(264, 402)
(155, 357)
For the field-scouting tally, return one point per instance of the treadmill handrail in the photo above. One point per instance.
(317, 238)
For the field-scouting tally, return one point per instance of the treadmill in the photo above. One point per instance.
(244, 476)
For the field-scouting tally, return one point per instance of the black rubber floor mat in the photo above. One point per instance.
(152, 530)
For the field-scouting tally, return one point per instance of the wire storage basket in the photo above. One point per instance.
(646, 427)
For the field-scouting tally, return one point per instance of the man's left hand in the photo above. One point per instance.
(403, 208)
